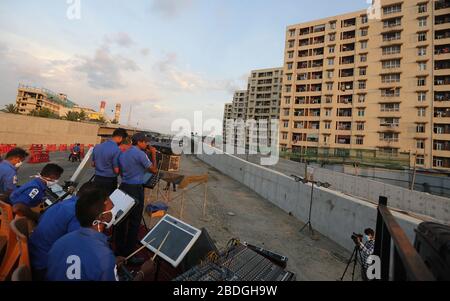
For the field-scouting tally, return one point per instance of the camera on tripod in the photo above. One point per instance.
(356, 238)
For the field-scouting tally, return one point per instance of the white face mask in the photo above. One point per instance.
(109, 224)
(19, 164)
(365, 239)
(52, 183)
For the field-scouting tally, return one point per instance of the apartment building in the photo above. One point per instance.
(264, 98)
(32, 98)
(227, 115)
(357, 82)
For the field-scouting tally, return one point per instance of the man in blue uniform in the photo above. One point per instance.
(8, 170)
(106, 161)
(32, 194)
(85, 255)
(134, 163)
(57, 221)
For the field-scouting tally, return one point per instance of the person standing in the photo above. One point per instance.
(106, 161)
(134, 163)
(8, 170)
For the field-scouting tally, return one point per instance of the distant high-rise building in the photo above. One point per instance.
(357, 82)
(102, 107)
(117, 113)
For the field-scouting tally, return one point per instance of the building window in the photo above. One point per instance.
(327, 125)
(333, 25)
(422, 22)
(364, 32)
(286, 124)
(364, 19)
(422, 51)
(420, 128)
(289, 77)
(362, 98)
(328, 112)
(329, 86)
(420, 144)
(392, 9)
(291, 54)
(421, 81)
(359, 140)
(422, 8)
(391, 64)
(363, 58)
(420, 160)
(422, 36)
(360, 126)
(292, 33)
(291, 44)
(361, 112)
(332, 37)
(362, 84)
(422, 66)
(422, 96)
(331, 49)
(285, 136)
(331, 62)
(363, 71)
(390, 78)
(364, 45)
(391, 50)
(287, 100)
(330, 74)
(289, 66)
(421, 112)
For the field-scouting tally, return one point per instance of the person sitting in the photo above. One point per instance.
(85, 255)
(76, 152)
(31, 194)
(57, 221)
(8, 170)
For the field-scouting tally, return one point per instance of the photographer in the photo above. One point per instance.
(366, 244)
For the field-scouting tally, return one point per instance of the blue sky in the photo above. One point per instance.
(166, 58)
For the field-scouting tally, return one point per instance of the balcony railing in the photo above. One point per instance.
(407, 263)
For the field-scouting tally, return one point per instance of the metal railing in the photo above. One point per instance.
(405, 264)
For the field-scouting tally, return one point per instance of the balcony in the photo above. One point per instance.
(441, 145)
(349, 22)
(442, 113)
(346, 140)
(441, 4)
(442, 99)
(344, 113)
(441, 162)
(348, 47)
(348, 35)
(441, 80)
(347, 86)
(442, 34)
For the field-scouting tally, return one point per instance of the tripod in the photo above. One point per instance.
(308, 224)
(353, 259)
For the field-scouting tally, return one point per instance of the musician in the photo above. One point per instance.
(85, 254)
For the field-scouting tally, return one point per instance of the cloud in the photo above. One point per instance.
(145, 51)
(104, 70)
(171, 8)
(121, 39)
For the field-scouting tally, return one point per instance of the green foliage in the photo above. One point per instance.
(45, 113)
(75, 116)
(11, 108)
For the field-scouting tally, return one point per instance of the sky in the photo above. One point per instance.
(161, 59)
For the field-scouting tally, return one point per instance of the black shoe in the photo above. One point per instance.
(136, 261)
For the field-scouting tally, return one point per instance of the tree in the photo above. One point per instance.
(82, 115)
(71, 116)
(11, 108)
(45, 113)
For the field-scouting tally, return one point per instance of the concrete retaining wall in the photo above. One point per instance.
(418, 202)
(26, 130)
(335, 215)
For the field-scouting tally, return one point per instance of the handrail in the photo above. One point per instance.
(407, 263)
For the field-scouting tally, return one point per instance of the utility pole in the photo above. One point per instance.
(129, 115)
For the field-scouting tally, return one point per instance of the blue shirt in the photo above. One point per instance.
(82, 255)
(31, 194)
(56, 222)
(106, 158)
(8, 177)
(134, 163)
(76, 148)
